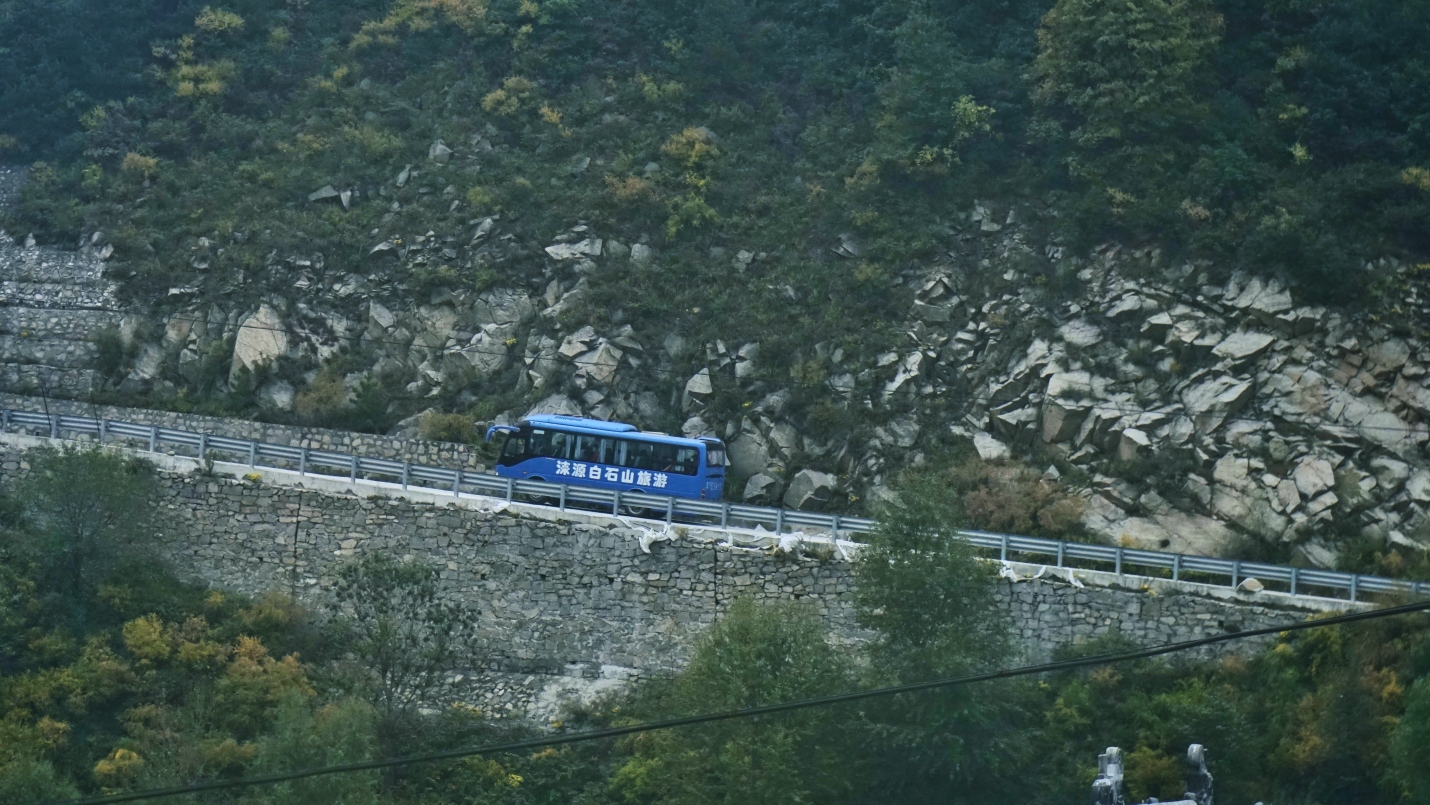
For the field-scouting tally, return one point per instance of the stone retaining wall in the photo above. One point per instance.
(571, 605)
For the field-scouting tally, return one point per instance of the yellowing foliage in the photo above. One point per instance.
(147, 639)
(217, 21)
(120, 767)
(140, 164)
(421, 15)
(1418, 178)
(691, 147)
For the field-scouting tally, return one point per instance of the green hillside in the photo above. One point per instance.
(1288, 136)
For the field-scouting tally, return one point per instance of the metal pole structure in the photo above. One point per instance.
(669, 509)
(562, 506)
(1061, 547)
(252, 454)
(1003, 549)
(1295, 577)
(1119, 562)
(203, 445)
(303, 462)
(616, 504)
(352, 469)
(406, 471)
(724, 515)
(779, 521)
(457, 484)
(1355, 578)
(153, 438)
(1176, 567)
(1235, 572)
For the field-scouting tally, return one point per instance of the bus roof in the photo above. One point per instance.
(578, 424)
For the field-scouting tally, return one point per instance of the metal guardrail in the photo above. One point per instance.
(307, 460)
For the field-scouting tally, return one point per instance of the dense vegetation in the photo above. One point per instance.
(1284, 135)
(117, 677)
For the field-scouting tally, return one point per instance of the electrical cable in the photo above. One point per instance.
(823, 701)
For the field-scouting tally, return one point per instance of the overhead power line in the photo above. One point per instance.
(823, 701)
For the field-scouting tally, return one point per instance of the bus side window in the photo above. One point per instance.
(638, 455)
(588, 449)
(687, 461)
(560, 445)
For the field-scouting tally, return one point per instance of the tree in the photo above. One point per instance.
(89, 516)
(1410, 748)
(930, 602)
(756, 655)
(1126, 80)
(403, 638)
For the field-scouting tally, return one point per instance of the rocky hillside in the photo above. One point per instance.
(763, 221)
(1223, 418)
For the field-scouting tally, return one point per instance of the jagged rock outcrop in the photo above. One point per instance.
(1201, 410)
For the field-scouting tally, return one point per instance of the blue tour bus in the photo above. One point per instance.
(610, 455)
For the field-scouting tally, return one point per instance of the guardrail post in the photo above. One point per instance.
(103, 430)
(352, 469)
(1176, 567)
(669, 509)
(406, 471)
(457, 484)
(153, 438)
(1118, 568)
(1003, 549)
(5, 420)
(303, 462)
(616, 504)
(509, 485)
(252, 454)
(1355, 578)
(834, 528)
(1295, 577)
(55, 426)
(203, 445)
(779, 520)
(724, 515)
(1062, 546)
(1235, 572)
(564, 487)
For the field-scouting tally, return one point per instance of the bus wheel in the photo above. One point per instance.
(637, 511)
(540, 500)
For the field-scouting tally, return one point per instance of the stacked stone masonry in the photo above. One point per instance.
(53, 302)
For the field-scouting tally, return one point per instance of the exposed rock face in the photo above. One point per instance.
(261, 340)
(810, 489)
(1198, 409)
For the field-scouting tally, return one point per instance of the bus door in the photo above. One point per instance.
(509, 434)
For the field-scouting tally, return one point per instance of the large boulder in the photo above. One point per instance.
(761, 489)
(1212, 401)
(556, 404)
(810, 489)
(749, 453)
(1243, 346)
(697, 389)
(262, 339)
